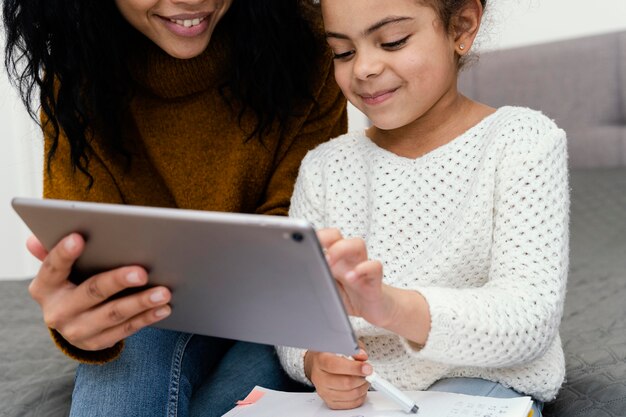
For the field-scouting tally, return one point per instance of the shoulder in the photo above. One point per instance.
(525, 131)
(327, 155)
(331, 163)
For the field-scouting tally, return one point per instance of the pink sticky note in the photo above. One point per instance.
(254, 396)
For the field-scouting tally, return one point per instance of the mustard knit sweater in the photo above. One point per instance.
(189, 151)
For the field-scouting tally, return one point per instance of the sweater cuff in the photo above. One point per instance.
(292, 360)
(443, 329)
(95, 357)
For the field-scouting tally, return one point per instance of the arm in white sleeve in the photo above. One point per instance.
(515, 316)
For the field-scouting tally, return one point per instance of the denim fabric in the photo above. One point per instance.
(477, 386)
(172, 374)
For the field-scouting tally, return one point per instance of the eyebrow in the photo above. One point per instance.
(373, 28)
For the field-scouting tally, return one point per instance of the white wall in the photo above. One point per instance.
(509, 23)
(20, 175)
(513, 23)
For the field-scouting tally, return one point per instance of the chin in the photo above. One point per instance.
(182, 48)
(184, 53)
(385, 119)
(386, 124)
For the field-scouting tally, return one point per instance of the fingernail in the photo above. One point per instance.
(70, 243)
(133, 278)
(367, 369)
(162, 312)
(157, 296)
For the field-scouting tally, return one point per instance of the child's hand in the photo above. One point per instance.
(360, 280)
(360, 283)
(339, 381)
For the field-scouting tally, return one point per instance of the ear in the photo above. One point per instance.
(465, 26)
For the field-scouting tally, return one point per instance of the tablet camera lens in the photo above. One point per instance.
(297, 236)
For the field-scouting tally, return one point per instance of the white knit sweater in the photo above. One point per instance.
(478, 226)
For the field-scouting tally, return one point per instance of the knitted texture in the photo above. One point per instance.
(479, 226)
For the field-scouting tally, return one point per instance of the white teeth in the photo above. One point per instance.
(187, 22)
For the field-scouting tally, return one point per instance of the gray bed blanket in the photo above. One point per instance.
(36, 379)
(594, 322)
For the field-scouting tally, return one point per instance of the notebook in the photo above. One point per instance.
(263, 402)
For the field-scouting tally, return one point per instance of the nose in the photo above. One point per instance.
(367, 65)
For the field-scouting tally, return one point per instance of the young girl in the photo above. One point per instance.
(450, 239)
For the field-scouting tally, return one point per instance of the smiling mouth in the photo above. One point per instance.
(187, 22)
(377, 97)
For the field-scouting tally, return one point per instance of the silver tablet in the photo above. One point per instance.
(248, 277)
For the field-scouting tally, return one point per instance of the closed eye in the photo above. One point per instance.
(396, 44)
(343, 55)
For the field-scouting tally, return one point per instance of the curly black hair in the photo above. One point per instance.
(73, 53)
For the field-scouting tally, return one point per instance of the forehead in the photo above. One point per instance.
(367, 6)
(339, 14)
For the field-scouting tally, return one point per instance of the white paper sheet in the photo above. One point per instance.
(431, 404)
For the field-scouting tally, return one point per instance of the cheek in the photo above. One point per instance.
(135, 13)
(343, 77)
(429, 70)
(415, 69)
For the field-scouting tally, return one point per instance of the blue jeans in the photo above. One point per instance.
(163, 373)
(477, 386)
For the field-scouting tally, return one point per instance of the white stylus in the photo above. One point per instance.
(385, 387)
